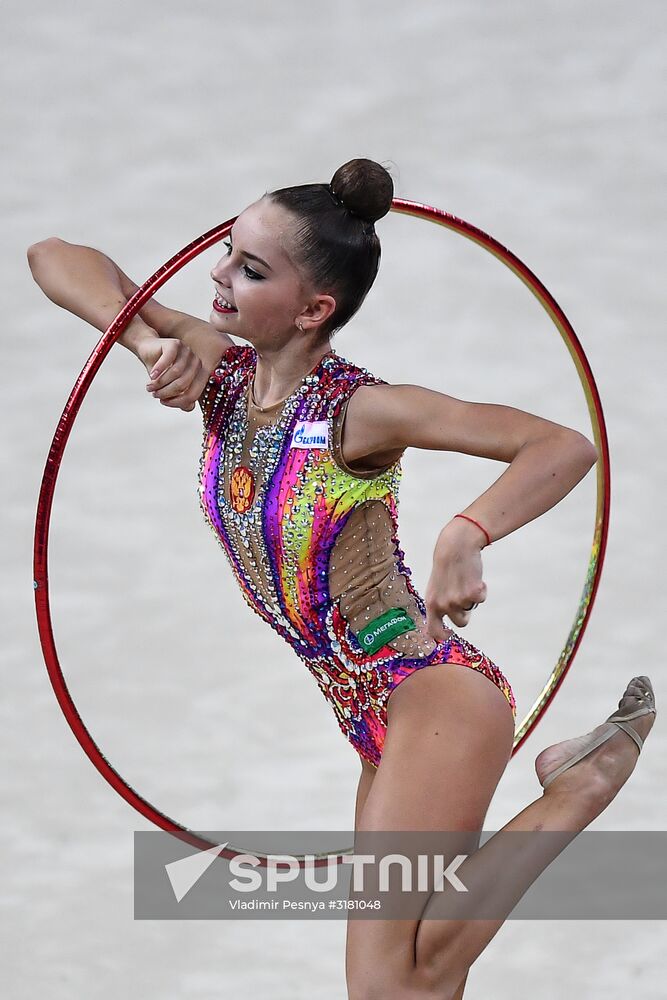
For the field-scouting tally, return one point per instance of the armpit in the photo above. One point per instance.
(361, 470)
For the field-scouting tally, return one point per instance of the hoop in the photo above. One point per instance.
(71, 409)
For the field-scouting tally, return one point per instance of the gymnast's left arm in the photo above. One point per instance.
(545, 460)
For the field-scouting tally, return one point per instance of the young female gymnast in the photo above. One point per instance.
(299, 479)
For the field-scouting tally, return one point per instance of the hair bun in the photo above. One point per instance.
(364, 187)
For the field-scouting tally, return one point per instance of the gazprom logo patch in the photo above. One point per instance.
(311, 434)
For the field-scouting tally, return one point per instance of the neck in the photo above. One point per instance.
(278, 373)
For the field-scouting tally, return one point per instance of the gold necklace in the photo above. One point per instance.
(264, 409)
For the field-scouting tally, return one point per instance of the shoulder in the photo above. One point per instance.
(372, 415)
(364, 439)
(384, 419)
(236, 356)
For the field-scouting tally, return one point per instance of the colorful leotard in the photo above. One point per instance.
(314, 544)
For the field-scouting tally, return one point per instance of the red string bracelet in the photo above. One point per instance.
(481, 528)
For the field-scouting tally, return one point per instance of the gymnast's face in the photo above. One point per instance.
(261, 293)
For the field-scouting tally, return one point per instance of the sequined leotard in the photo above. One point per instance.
(314, 544)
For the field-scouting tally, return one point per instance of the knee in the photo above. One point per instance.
(421, 985)
(366, 982)
(366, 987)
(440, 970)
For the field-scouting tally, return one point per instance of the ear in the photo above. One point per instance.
(316, 312)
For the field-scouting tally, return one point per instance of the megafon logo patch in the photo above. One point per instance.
(311, 434)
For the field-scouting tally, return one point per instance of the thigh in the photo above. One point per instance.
(366, 777)
(450, 732)
(449, 737)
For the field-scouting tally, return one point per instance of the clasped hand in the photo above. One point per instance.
(456, 580)
(179, 377)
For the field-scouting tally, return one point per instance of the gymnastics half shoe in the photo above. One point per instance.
(641, 703)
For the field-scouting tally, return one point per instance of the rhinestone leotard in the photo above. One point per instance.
(314, 544)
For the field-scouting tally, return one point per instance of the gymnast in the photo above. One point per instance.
(298, 480)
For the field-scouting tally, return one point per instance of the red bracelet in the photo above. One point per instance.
(481, 528)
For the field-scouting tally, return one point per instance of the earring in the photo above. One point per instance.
(300, 326)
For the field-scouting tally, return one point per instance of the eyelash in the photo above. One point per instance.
(249, 273)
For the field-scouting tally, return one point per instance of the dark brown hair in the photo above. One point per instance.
(334, 238)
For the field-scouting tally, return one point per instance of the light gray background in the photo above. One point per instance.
(136, 127)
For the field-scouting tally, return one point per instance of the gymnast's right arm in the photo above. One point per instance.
(86, 282)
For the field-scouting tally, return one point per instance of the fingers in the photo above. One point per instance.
(179, 382)
(434, 626)
(174, 377)
(181, 402)
(169, 351)
(459, 611)
(459, 617)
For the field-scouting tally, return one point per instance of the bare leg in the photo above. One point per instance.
(363, 788)
(427, 782)
(459, 993)
(502, 873)
(448, 741)
(365, 784)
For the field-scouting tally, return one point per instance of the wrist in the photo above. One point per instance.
(136, 335)
(468, 532)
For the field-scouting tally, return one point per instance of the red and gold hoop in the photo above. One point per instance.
(77, 395)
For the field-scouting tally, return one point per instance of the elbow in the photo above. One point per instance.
(584, 451)
(590, 452)
(37, 251)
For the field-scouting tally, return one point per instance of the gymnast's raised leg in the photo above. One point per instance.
(440, 775)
